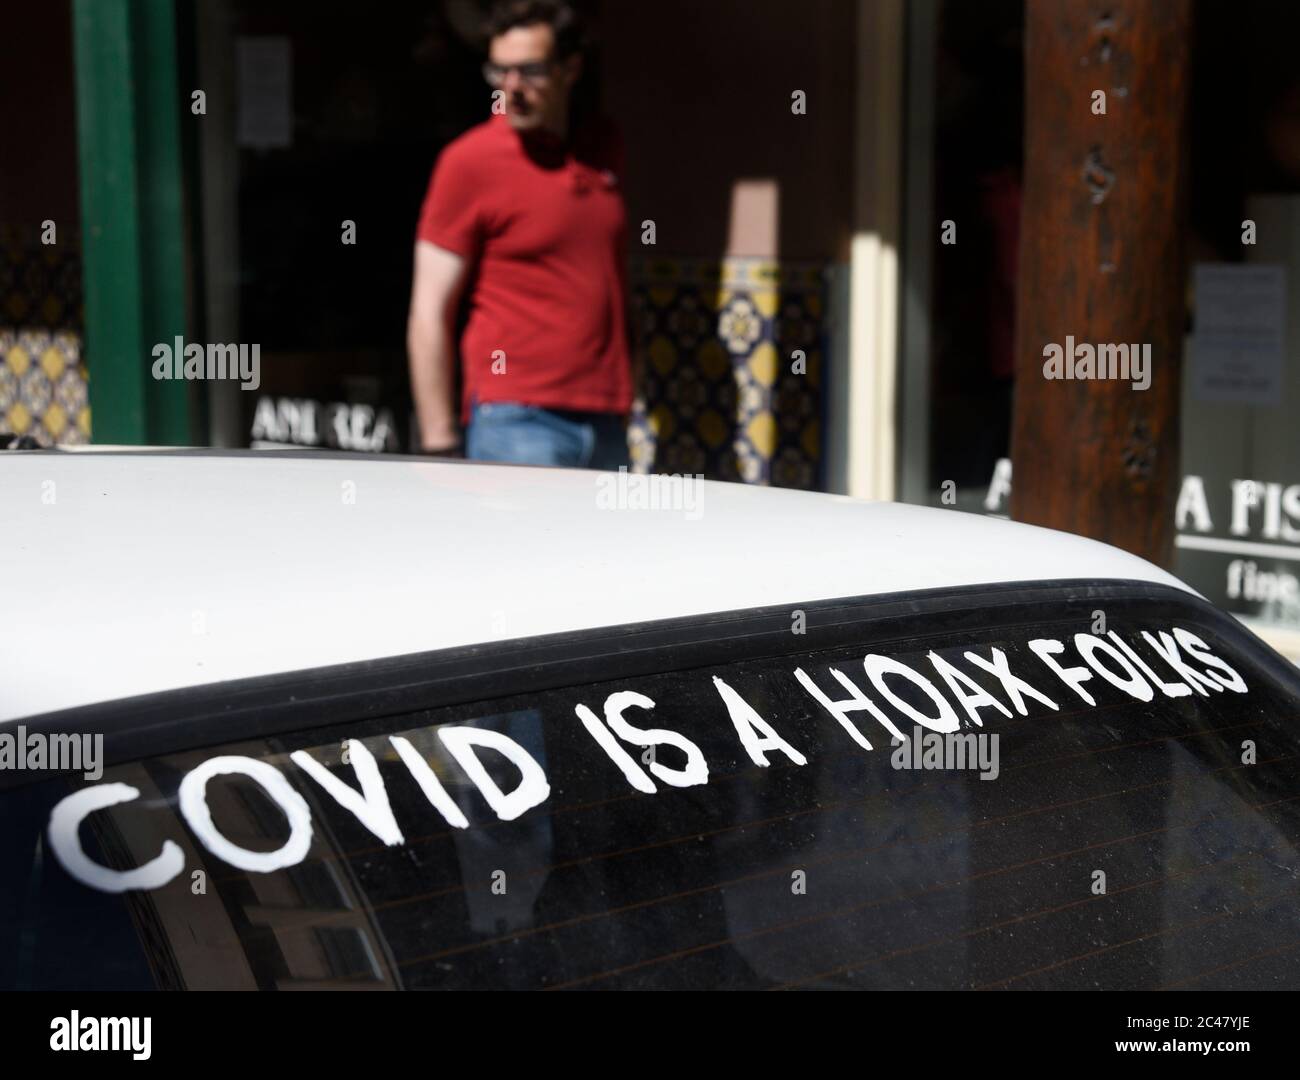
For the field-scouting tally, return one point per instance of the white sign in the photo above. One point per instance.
(1240, 336)
(264, 67)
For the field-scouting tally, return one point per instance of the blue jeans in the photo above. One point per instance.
(531, 435)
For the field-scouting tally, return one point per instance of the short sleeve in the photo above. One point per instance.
(450, 216)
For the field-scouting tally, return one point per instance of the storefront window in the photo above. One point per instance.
(1238, 516)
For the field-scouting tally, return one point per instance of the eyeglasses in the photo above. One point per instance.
(535, 73)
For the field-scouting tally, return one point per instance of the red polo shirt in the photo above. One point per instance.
(543, 225)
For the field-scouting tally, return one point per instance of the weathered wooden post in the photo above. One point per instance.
(1102, 262)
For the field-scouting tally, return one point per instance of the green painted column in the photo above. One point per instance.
(133, 247)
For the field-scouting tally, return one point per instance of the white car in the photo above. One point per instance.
(310, 720)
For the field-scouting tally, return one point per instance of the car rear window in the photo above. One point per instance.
(1098, 799)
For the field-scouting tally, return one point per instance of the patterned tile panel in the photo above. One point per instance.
(722, 393)
(43, 390)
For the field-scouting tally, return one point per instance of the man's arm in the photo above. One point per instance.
(430, 345)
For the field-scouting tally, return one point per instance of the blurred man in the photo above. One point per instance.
(525, 219)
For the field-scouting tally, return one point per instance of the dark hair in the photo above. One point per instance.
(570, 36)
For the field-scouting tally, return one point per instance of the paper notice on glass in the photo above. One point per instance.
(1240, 336)
(264, 68)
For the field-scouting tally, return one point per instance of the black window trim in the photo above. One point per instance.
(221, 713)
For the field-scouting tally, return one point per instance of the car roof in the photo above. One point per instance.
(130, 572)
